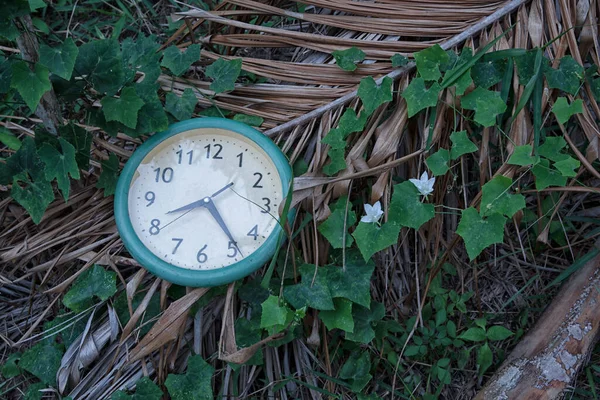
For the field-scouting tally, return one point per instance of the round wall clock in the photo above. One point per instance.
(198, 204)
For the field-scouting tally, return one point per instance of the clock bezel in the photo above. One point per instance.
(179, 275)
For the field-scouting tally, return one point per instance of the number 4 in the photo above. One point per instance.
(253, 232)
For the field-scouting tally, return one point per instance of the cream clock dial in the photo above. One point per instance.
(202, 200)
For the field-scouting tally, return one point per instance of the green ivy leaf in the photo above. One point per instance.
(313, 291)
(498, 332)
(36, 4)
(93, 282)
(275, 317)
(337, 161)
(567, 77)
(81, 140)
(473, 335)
(563, 110)
(552, 148)
(31, 85)
(178, 61)
(347, 59)
(147, 91)
(224, 74)
(398, 60)
(365, 318)
(10, 369)
(566, 166)
(101, 61)
(350, 122)
(194, 384)
(371, 238)
(486, 103)
(5, 75)
(151, 118)
(461, 144)
(526, 65)
(124, 109)
(247, 333)
(546, 176)
(141, 55)
(60, 59)
(595, 86)
(353, 284)
(372, 96)
(340, 317)
(43, 361)
(406, 208)
(29, 185)
(64, 328)
(438, 162)
(356, 370)
(34, 391)
(152, 311)
(464, 80)
(145, 389)
(496, 198)
(333, 227)
(484, 359)
(488, 73)
(11, 141)
(429, 62)
(109, 176)
(479, 233)
(181, 107)
(60, 165)
(252, 120)
(418, 97)
(522, 156)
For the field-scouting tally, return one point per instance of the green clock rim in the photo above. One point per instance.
(183, 276)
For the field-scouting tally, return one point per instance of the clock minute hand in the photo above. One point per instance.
(210, 206)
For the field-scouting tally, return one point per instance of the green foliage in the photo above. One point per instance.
(194, 384)
(145, 389)
(461, 144)
(101, 62)
(488, 73)
(398, 60)
(252, 120)
(487, 105)
(371, 238)
(81, 140)
(29, 185)
(123, 109)
(567, 77)
(59, 165)
(178, 61)
(31, 84)
(10, 369)
(546, 176)
(365, 320)
(463, 80)
(429, 61)
(552, 148)
(60, 59)
(356, 370)
(333, 227)
(109, 176)
(496, 198)
(563, 110)
(336, 139)
(275, 317)
(406, 207)
(373, 95)
(93, 282)
(479, 233)
(418, 97)
(522, 156)
(438, 162)
(340, 317)
(43, 361)
(181, 107)
(566, 166)
(152, 311)
(484, 359)
(34, 391)
(347, 59)
(224, 74)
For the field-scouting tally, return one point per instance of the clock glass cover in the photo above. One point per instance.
(199, 204)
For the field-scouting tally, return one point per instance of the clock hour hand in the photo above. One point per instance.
(210, 206)
(202, 202)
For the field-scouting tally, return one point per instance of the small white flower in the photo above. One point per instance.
(373, 213)
(424, 184)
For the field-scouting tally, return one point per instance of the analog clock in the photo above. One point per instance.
(198, 204)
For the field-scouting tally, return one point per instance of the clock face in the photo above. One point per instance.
(204, 199)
